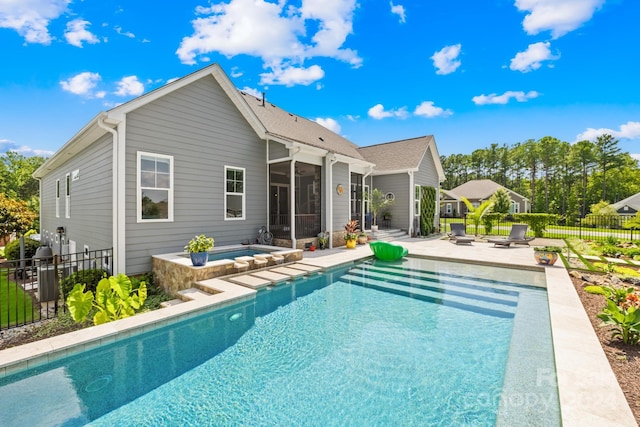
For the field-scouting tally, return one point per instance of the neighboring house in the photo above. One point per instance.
(629, 206)
(401, 168)
(198, 156)
(477, 191)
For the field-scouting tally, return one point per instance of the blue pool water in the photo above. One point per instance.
(232, 254)
(412, 343)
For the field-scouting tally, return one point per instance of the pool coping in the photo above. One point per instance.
(589, 392)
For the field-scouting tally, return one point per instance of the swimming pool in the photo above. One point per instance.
(232, 254)
(418, 342)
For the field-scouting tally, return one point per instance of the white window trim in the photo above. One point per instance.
(416, 200)
(57, 198)
(67, 189)
(139, 187)
(243, 194)
(448, 208)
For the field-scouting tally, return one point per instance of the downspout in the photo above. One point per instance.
(292, 196)
(364, 181)
(412, 202)
(331, 160)
(118, 225)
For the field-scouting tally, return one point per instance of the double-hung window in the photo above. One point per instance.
(234, 194)
(67, 206)
(416, 197)
(57, 198)
(155, 187)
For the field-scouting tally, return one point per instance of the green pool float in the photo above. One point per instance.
(386, 251)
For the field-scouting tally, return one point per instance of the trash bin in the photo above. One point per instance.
(47, 277)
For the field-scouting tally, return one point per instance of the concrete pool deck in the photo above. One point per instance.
(589, 392)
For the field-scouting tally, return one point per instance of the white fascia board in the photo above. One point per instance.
(81, 140)
(394, 172)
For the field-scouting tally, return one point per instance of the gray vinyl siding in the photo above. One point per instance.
(277, 151)
(398, 184)
(427, 175)
(90, 222)
(341, 212)
(204, 132)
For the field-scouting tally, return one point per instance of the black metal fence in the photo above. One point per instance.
(30, 288)
(592, 227)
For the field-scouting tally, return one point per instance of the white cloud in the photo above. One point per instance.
(429, 110)
(129, 86)
(531, 59)
(493, 98)
(83, 84)
(291, 76)
(330, 124)
(446, 59)
(558, 16)
(629, 130)
(378, 112)
(7, 145)
(399, 10)
(77, 33)
(282, 35)
(252, 91)
(120, 31)
(30, 18)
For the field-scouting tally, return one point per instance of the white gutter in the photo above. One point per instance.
(331, 160)
(118, 197)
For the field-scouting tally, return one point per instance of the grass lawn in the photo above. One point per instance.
(16, 306)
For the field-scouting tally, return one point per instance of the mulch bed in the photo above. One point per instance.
(624, 359)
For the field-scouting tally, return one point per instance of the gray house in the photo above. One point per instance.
(477, 191)
(401, 169)
(628, 207)
(198, 156)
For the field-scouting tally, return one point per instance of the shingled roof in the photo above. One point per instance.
(480, 189)
(289, 126)
(632, 201)
(401, 155)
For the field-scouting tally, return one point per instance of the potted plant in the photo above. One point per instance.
(377, 201)
(198, 248)
(362, 238)
(351, 233)
(547, 255)
(323, 239)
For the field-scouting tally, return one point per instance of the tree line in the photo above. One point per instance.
(19, 193)
(558, 177)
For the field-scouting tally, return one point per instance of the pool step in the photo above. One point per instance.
(437, 279)
(474, 302)
(273, 276)
(192, 294)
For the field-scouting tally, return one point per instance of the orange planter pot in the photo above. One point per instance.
(545, 258)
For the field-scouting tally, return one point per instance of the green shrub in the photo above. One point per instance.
(12, 250)
(610, 251)
(537, 221)
(90, 278)
(114, 299)
(611, 240)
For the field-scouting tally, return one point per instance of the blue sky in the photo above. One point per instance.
(472, 73)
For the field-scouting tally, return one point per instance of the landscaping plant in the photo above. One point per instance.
(622, 311)
(114, 299)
